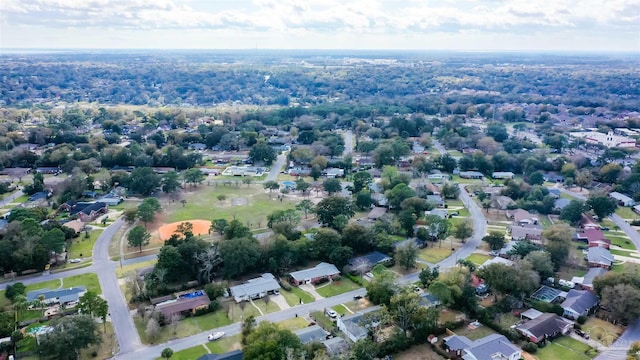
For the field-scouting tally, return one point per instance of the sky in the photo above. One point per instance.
(467, 25)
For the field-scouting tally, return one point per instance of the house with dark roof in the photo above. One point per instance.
(368, 261)
(522, 217)
(586, 281)
(490, 347)
(544, 327)
(579, 303)
(41, 195)
(89, 194)
(353, 325)
(232, 355)
(428, 300)
(554, 192)
(312, 333)
(526, 232)
(622, 199)
(90, 212)
(599, 257)
(197, 146)
(594, 237)
(376, 213)
(58, 296)
(335, 346)
(67, 206)
(315, 274)
(187, 304)
(255, 288)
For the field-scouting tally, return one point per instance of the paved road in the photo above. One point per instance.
(10, 198)
(276, 167)
(348, 142)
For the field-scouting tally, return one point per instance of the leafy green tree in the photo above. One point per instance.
(130, 215)
(450, 191)
(271, 185)
(54, 240)
(68, 336)
(602, 206)
(170, 182)
(357, 237)
(536, 178)
(239, 255)
(364, 349)
(324, 242)
(437, 227)
(193, 176)
(248, 326)
(302, 186)
(573, 211)
(12, 291)
(331, 207)
(92, 304)
(361, 181)
(382, 287)
(428, 275)
(261, 152)
(407, 221)
(219, 226)
(306, 206)
(416, 205)
(495, 239)
(340, 256)
(316, 172)
(363, 200)
(167, 353)
(398, 194)
(138, 237)
(406, 255)
(462, 231)
(441, 291)
(147, 210)
(332, 186)
(143, 181)
(268, 341)
(609, 173)
(235, 230)
(541, 262)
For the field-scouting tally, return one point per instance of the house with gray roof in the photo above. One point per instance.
(560, 203)
(586, 281)
(526, 232)
(315, 274)
(58, 296)
(599, 257)
(543, 327)
(231, 355)
(491, 347)
(471, 175)
(335, 346)
(312, 333)
(503, 175)
(255, 288)
(436, 200)
(578, 303)
(622, 199)
(353, 325)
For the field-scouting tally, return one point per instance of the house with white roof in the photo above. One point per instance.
(255, 288)
(491, 347)
(315, 274)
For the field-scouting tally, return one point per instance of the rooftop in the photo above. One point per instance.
(265, 283)
(320, 270)
(579, 301)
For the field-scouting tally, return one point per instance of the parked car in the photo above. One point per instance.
(75, 261)
(357, 297)
(215, 336)
(581, 333)
(604, 228)
(332, 314)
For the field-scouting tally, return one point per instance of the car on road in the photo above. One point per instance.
(332, 314)
(215, 336)
(75, 261)
(357, 297)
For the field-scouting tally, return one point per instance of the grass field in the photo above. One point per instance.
(202, 203)
(122, 272)
(602, 331)
(474, 334)
(545, 221)
(626, 213)
(224, 345)
(236, 313)
(341, 310)
(186, 327)
(49, 284)
(90, 281)
(337, 287)
(435, 254)
(478, 259)
(621, 253)
(566, 348)
(621, 241)
(293, 324)
(188, 354)
(294, 296)
(81, 247)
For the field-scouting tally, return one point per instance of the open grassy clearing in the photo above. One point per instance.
(323, 320)
(602, 331)
(202, 203)
(188, 354)
(337, 287)
(621, 241)
(623, 253)
(293, 324)
(435, 254)
(49, 284)
(90, 281)
(422, 352)
(566, 348)
(82, 247)
(237, 313)
(626, 213)
(478, 259)
(186, 327)
(106, 348)
(341, 310)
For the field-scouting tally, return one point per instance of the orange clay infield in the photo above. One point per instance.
(199, 227)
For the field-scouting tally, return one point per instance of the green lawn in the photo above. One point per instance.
(4, 302)
(341, 309)
(49, 284)
(474, 334)
(294, 296)
(81, 247)
(188, 354)
(122, 272)
(621, 241)
(21, 199)
(202, 203)
(323, 320)
(454, 203)
(208, 321)
(337, 287)
(621, 253)
(187, 327)
(224, 345)
(544, 220)
(237, 313)
(125, 205)
(293, 324)
(566, 348)
(90, 281)
(626, 213)
(478, 259)
(435, 254)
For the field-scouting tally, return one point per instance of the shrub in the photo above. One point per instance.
(337, 278)
(355, 279)
(285, 285)
(321, 281)
(581, 320)
(530, 347)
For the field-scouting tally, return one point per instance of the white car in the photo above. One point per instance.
(215, 336)
(75, 261)
(332, 314)
(369, 275)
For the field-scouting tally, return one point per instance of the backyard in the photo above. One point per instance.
(474, 334)
(337, 287)
(566, 348)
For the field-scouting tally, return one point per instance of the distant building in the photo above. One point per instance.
(313, 333)
(471, 175)
(610, 140)
(436, 200)
(353, 326)
(58, 296)
(182, 305)
(586, 281)
(503, 175)
(622, 199)
(368, 261)
(496, 260)
(376, 213)
(599, 257)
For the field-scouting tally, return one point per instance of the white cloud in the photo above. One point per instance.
(326, 18)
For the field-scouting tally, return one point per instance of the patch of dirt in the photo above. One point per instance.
(420, 352)
(200, 227)
(239, 201)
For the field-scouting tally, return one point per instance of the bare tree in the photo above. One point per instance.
(208, 261)
(153, 330)
(175, 320)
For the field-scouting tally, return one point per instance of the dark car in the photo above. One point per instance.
(357, 297)
(581, 333)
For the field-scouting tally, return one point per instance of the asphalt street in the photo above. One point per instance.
(11, 197)
(276, 167)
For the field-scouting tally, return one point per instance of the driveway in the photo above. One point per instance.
(276, 167)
